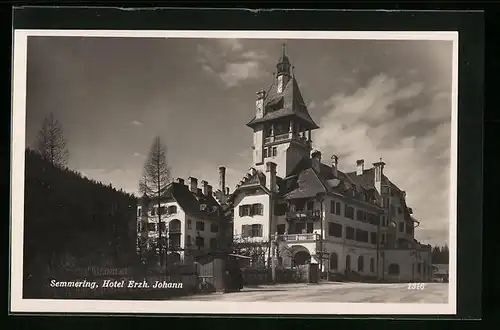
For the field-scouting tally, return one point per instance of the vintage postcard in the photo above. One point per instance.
(184, 171)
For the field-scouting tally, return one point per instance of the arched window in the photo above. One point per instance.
(213, 243)
(393, 269)
(174, 226)
(334, 261)
(372, 265)
(348, 262)
(360, 263)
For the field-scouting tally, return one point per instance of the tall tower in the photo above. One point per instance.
(282, 124)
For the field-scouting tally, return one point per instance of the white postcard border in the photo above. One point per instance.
(18, 304)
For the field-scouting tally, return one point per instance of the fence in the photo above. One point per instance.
(258, 276)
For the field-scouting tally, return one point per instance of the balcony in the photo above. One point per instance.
(311, 237)
(303, 215)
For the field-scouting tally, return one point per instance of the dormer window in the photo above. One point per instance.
(274, 105)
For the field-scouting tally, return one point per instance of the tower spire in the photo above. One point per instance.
(283, 49)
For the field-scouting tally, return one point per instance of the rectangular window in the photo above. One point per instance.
(332, 207)
(280, 209)
(382, 239)
(385, 202)
(409, 229)
(139, 212)
(310, 227)
(372, 218)
(251, 230)
(200, 241)
(213, 243)
(153, 211)
(310, 206)
(214, 228)
(337, 208)
(245, 210)
(349, 233)
(139, 226)
(151, 226)
(200, 225)
(274, 152)
(256, 230)
(372, 265)
(257, 209)
(349, 212)
(334, 229)
(393, 210)
(401, 227)
(361, 236)
(281, 229)
(163, 226)
(360, 215)
(400, 210)
(190, 225)
(373, 238)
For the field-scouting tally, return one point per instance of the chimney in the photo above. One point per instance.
(259, 104)
(335, 165)
(379, 172)
(316, 160)
(193, 184)
(204, 186)
(222, 184)
(271, 176)
(209, 190)
(180, 180)
(360, 166)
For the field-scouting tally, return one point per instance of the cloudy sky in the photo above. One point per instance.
(372, 99)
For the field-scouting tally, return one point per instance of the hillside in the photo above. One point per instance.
(74, 222)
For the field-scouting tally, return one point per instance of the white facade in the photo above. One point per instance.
(187, 231)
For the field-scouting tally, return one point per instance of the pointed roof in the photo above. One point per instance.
(306, 182)
(288, 103)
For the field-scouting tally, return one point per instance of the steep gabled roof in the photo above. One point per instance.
(191, 203)
(306, 185)
(292, 105)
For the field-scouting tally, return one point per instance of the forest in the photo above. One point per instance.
(440, 255)
(73, 222)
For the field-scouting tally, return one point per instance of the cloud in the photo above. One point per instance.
(139, 155)
(231, 44)
(235, 73)
(228, 62)
(408, 125)
(136, 123)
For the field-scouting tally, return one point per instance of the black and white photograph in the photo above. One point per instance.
(184, 172)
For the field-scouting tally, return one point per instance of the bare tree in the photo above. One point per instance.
(155, 180)
(51, 142)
